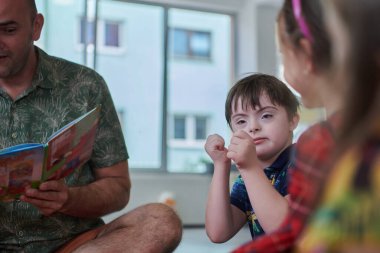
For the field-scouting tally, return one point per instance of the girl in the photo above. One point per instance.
(348, 218)
(304, 44)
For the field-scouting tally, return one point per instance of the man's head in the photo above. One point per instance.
(20, 26)
(33, 8)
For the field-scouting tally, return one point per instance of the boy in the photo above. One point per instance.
(262, 113)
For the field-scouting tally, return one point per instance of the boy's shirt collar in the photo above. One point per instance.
(281, 161)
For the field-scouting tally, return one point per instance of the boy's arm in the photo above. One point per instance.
(223, 220)
(269, 205)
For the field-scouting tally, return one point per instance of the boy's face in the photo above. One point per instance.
(269, 126)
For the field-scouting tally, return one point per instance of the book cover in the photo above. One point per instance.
(32, 163)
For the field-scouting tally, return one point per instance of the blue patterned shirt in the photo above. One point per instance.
(276, 174)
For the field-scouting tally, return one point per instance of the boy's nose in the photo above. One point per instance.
(254, 129)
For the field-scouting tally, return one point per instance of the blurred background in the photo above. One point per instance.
(169, 65)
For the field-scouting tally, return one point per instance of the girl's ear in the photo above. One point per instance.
(307, 51)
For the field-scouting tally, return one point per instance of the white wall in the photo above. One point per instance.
(190, 191)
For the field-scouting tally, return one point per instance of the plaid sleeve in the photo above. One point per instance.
(313, 153)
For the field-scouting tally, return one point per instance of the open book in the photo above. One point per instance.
(32, 163)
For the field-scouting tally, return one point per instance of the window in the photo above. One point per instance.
(87, 31)
(111, 34)
(189, 130)
(179, 127)
(200, 128)
(167, 107)
(190, 44)
(108, 33)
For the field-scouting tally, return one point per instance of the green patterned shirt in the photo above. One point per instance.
(60, 92)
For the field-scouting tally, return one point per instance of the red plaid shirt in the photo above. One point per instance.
(313, 155)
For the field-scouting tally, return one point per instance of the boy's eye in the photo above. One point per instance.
(267, 116)
(240, 122)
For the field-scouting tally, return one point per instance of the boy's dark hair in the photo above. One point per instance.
(313, 14)
(250, 89)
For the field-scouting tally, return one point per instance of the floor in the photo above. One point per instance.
(195, 240)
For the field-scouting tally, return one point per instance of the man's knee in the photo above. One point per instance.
(164, 214)
(166, 218)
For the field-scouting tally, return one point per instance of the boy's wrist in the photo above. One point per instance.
(222, 164)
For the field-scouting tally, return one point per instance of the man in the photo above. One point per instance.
(38, 95)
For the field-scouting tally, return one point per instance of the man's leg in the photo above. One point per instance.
(152, 228)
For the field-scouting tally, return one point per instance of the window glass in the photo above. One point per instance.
(166, 109)
(201, 128)
(179, 42)
(67, 18)
(179, 127)
(135, 76)
(87, 28)
(200, 44)
(190, 43)
(197, 87)
(111, 34)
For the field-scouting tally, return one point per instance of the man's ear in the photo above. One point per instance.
(37, 26)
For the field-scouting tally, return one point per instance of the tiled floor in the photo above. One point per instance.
(195, 240)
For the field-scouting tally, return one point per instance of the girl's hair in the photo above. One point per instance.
(362, 105)
(311, 11)
(252, 87)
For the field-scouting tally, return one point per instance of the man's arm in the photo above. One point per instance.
(108, 193)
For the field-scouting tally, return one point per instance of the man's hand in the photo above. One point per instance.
(49, 198)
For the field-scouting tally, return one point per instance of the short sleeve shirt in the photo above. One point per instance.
(61, 91)
(277, 175)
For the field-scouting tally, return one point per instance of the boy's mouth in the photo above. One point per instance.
(258, 140)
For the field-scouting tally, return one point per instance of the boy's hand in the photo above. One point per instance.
(215, 149)
(242, 150)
